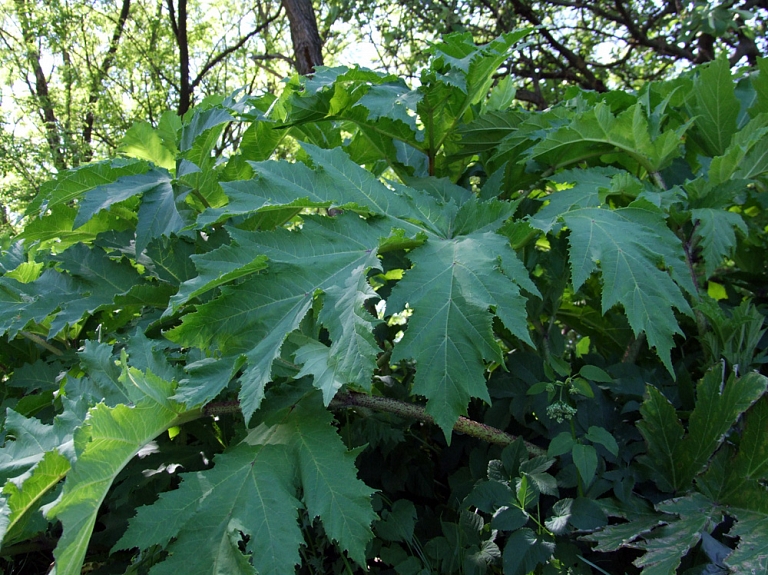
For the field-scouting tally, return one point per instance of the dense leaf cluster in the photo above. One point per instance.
(442, 334)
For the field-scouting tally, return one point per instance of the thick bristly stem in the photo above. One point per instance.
(352, 399)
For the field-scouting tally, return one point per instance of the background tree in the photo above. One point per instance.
(77, 74)
(307, 44)
(592, 44)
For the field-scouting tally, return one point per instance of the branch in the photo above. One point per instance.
(101, 73)
(409, 410)
(589, 79)
(227, 51)
(179, 28)
(40, 91)
(41, 342)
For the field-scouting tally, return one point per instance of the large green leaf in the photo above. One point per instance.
(143, 142)
(32, 440)
(634, 273)
(71, 184)
(718, 405)
(584, 193)
(250, 491)
(665, 547)
(102, 197)
(716, 233)
(110, 438)
(675, 459)
(751, 552)
(715, 107)
(452, 287)
(664, 433)
(329, 255)
(23, 495)
(232, 261)
(598, 131)
(736, 479)
(89, 280)
(256, 489)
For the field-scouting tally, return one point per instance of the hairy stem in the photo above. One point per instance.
(41, 342)
(633, 349)
(352, 399)
(463, 425)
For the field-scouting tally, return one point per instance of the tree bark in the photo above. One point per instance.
(307, 45)
(40, 90)
(98, 79)
(179, 27)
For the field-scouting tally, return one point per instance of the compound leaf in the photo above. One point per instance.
(253, 490)
(620, 241)
(111, 437)
(451, 288)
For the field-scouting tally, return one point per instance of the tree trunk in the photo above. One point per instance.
(40, 90)
(179, 27)
(307, 45)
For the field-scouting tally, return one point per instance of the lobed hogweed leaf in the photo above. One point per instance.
(32, 439)
(751, 553)
(677, 459)
(663, 433)
(110, 438)
(598, 131)
(665, 546)
(253, 318)
(253, 490)
(238, 259)
(736, 479)
(452, 287)
(718, 406)
(249, 490)
(584, 193)
(71, 184)
(143, 142)
(620, 241)
(158, 215)
(331, 489)
(716, 235)
(715, 107)
(23, 495)
(102, 197)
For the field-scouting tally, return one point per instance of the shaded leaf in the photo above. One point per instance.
(620, 240)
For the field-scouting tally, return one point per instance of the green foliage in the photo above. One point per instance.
(398, 329)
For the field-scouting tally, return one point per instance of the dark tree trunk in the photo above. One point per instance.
(179, 27)
(40, 89)
(307, 45)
